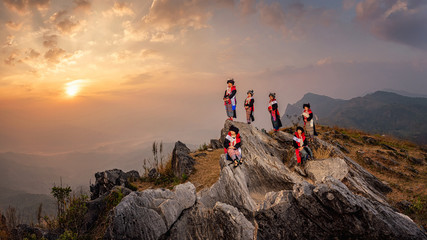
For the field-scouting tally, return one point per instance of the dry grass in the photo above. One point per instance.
(407, 185)
(206, 172)
(207, 169)
(322, 152)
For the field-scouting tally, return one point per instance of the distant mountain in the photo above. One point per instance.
(380, 112)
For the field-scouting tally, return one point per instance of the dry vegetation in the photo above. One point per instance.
(206, 172)
(400, 163)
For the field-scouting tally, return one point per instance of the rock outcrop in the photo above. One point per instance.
(107, 180)
(267, 198)
(182, 162)
(151, 213)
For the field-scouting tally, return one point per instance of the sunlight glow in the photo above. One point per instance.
(73, 88)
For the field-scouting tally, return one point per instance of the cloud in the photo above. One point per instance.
(10, 41)
(13, 25)
(348, 4)
(68, 25)
(324, 61)
(401, 21)
(295, 19)
(162, 37)
(24, 6)
(12, 59)
(65, 23)
(50, 41)
(120, 9)
(247, 7)
(55, 55)
(82, 5)
(137, 79)
(31, 54)
(167, 14)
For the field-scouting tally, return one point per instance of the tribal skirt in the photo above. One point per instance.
(230, 110)
(276, 122)
(249, 115)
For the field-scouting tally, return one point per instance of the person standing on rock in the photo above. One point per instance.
(230, 99)
(302, 151)
(274, 112)
(307, 115)
(232, 144)
(249, 107)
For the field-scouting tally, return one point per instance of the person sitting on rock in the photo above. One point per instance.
(307, 115)
(249, 106)
(274, 112)
(230, 99)
(302, 151)
(232, 144)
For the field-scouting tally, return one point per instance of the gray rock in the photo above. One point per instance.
(153, 173)
(221, 222)
(216, 144)
(201, 154)
(107, 180)
(182, 162)
(370, 140)
(341, 147)
(330, 211)
(335, 167)
(149, 214)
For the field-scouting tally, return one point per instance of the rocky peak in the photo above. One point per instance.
(268, 198)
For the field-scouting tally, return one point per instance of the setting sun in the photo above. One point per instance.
(73, 88)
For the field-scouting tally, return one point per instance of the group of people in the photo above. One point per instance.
(232, 141)
(230, 103)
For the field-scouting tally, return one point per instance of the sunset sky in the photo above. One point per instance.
(75, 74)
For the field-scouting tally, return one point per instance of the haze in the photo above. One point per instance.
(79, 74)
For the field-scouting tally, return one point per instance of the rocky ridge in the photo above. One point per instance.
(268, 198)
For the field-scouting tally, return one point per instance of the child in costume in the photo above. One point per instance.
(249, 107)
(274, 112)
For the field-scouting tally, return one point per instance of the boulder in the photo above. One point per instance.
(319, 169)
(223, 221)
(330, 211)
(149, 214)
(182, 162)
(215, 144)
(370, 140)
(107, 180)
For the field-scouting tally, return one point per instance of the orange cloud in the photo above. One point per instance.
(24, 6)
(13, 25)
(54, 55)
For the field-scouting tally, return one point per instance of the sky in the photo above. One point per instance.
(76, 74)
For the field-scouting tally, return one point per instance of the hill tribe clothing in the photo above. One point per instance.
(230, 104)
(309, 122)
(232, 147)
(249, 103)
(275, 116)
(301, 141)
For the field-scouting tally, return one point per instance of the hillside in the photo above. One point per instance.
(379, 112)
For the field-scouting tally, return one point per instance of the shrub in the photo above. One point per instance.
(131, 186)
(73, 216)
(114, 198)
(68, 235)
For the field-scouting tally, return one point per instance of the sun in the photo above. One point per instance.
(73, 88)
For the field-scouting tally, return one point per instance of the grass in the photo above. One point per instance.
(206, 173)
(407, 186)
(322, 152)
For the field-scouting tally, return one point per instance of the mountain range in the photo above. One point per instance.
(379, 112)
